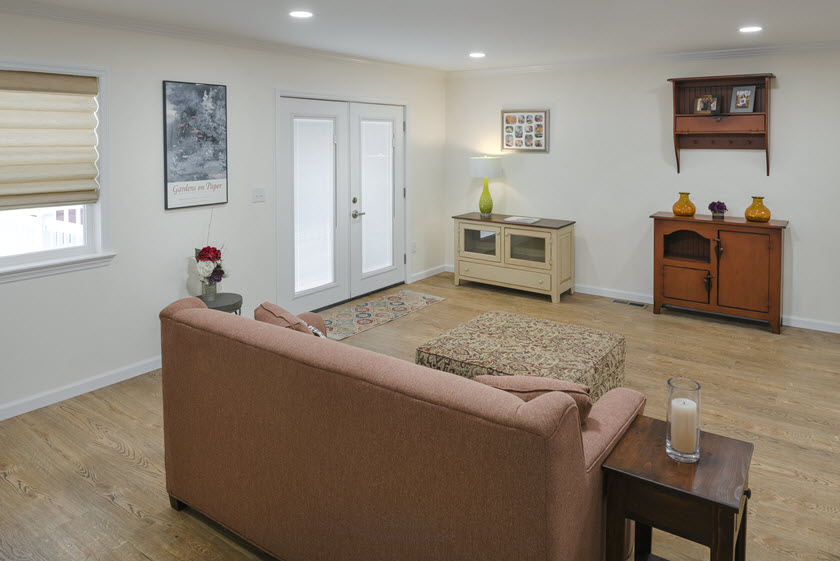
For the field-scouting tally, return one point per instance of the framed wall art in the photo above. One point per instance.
(743, 99)
(194, 144)
(525, 130)
(707, 104)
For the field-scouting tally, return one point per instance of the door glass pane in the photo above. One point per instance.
(527, 248)
(377, 196)
(480, 241)
(314, 196)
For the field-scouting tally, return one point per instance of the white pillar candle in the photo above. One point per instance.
(683, 425)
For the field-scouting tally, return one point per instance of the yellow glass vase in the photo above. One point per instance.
(757, 212)
(684, 207)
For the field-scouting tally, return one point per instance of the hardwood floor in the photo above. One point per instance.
(84, 479)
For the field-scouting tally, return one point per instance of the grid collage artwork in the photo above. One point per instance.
(525, 130)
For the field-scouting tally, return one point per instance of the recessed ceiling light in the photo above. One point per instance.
(476, 55)
(302, 14)
(750, 29)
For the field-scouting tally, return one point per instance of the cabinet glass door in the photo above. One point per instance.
(480, 242)
(527, 248)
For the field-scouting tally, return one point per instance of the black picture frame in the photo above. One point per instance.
(195, 147)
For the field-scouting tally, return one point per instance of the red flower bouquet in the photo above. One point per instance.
(209, 264)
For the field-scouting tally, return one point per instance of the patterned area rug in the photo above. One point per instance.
(348, 321)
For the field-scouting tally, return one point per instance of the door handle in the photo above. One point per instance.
(356, 214)
(708, 282)
(719, 247)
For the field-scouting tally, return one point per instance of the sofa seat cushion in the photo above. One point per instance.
(531, 387)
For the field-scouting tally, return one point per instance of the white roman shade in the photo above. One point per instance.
(47, 140)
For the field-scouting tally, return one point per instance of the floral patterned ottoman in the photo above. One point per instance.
(500, 343)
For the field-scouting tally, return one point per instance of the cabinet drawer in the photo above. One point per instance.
(514, 277)
(682, 283)
(721, 123)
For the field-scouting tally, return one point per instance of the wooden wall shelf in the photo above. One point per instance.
(737, 131)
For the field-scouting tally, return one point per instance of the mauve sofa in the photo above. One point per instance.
(314, 450)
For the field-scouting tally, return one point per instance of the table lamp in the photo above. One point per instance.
(486, 167)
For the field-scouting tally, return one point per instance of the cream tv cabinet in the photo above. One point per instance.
(537, 257)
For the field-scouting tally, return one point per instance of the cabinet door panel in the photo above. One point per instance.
(527, 248)
(681, 283)
(477, 241)
(744, 271)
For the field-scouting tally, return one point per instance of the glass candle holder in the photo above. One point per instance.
(682, 431)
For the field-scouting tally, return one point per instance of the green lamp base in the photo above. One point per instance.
(485, 203)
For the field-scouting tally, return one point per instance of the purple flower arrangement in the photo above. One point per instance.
(718, 207)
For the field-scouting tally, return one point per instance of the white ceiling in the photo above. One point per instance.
(440, 33)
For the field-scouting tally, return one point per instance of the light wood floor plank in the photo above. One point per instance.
(84, 479)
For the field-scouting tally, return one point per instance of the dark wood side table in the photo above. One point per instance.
(705, 502)
(225, 302)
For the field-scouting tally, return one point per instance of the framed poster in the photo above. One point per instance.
(525, 130)
(194, 144)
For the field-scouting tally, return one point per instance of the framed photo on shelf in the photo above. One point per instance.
(706, 104)
(194, 144)
(525, 130)
(743, 99)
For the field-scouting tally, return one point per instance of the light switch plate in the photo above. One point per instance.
(258, 195)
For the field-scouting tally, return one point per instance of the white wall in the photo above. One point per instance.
(612, 165)
(62, 329)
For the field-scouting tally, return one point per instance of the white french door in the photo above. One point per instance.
(340, 200)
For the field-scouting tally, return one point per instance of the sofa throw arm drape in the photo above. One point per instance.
(48, 140)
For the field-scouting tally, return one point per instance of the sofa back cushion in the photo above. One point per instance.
(531, 387)
(275, 315)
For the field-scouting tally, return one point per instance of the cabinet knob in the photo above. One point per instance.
(539, 282)
(466, 268)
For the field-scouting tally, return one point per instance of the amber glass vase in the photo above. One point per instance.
(684, 207)
(757, 212)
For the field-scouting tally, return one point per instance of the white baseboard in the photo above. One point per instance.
(31, 403)
(815, 324)
(414, 277)
(610, 293)
(787, 321)
(449, 268)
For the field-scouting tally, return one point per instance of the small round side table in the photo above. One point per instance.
(225, 302)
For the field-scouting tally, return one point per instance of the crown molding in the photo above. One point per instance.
(651, 59)
(88, 17)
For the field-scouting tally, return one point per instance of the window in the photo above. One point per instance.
(50, 211)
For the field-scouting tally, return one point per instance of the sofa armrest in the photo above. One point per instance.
(182, 304)
(314, 320)
(607, 422)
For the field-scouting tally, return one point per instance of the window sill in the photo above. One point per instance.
(55, 266)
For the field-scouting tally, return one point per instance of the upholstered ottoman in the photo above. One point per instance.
(500, 343)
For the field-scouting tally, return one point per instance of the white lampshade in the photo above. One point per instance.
(486, 166)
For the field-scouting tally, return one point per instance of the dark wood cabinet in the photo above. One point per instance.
(732, 131)
(729, 266)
